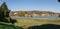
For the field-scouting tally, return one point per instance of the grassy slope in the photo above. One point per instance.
(26, 22)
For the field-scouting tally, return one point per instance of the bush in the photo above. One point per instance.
(13, 21)
(45, 26)
(6, 20)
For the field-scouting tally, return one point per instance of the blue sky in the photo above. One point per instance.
(32, 5)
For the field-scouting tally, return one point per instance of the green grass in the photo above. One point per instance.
(8, 26)
(26, 22)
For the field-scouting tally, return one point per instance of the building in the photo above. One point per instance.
(38, 13)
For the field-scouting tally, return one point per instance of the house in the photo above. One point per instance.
(36, 13)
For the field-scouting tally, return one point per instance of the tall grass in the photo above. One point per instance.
(26, 22)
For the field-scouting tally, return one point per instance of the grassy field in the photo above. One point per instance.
(26, 22)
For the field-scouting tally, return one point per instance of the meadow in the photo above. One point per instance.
(26, 22)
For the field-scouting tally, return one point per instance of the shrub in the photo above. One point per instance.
(45, 26)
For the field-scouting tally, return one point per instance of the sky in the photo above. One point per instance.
(32, 5)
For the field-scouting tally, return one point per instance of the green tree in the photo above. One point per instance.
(5, 10)
(1, 14)
(21, 13)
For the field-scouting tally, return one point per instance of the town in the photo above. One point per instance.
(33, 13)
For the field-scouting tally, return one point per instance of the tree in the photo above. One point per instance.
(4, 14)
(21, 13)
(0, 12)
(5, 10)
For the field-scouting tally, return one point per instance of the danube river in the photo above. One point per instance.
(35, 17)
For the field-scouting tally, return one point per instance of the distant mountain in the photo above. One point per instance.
(34, 11)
